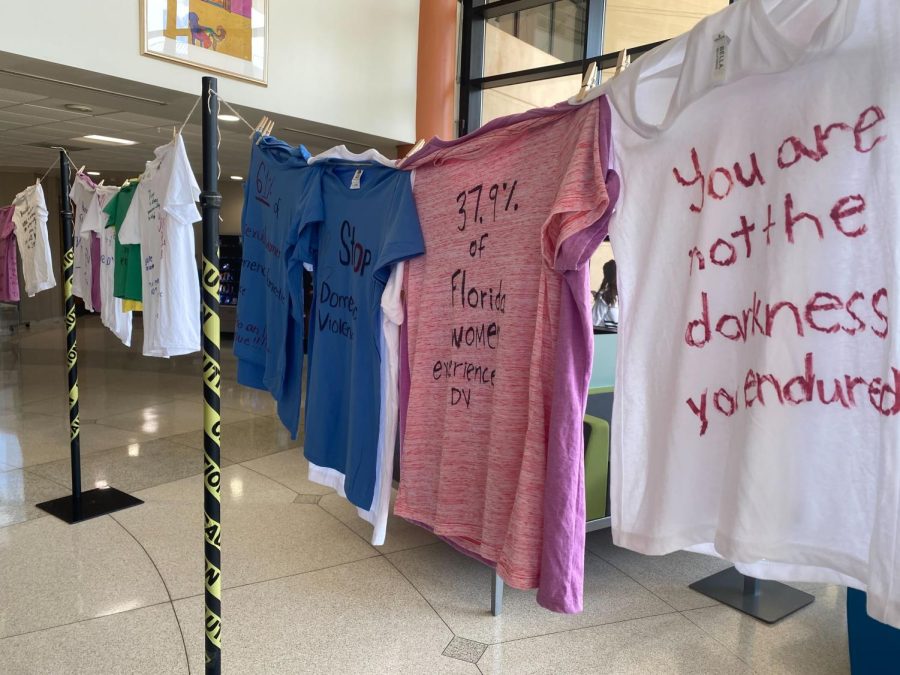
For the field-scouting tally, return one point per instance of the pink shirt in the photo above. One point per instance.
(9, 274)
(497, 211)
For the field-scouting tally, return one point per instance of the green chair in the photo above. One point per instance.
(596, 466)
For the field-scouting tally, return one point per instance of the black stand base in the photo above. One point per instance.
(93, 503)
(768, 601)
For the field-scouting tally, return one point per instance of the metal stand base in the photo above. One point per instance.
(93, 503)
(496, 594)
(768, 601)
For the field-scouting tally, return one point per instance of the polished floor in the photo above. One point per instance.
(304, 590)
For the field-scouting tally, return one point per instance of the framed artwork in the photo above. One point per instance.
(227, 37)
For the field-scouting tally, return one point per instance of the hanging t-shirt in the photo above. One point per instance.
(499, 210)
(391, 319)
(127, 268)
(81, 193)
(370, 224)
(112, 314)
(9, 274)
(30, 217)
(268, 341)
(758, 376)
(164, 210)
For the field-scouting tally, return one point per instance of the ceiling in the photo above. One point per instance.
(33, 117)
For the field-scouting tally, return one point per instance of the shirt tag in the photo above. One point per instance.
(720, 60)
(354, 184)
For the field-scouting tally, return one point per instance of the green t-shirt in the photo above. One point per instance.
(127, 271)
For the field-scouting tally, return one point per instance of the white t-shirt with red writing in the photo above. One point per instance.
(758, 244)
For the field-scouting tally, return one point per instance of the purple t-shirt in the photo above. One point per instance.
(9, 274)
(562, 561)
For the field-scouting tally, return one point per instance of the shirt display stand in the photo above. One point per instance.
(768, 601)
(211, 203)
(78, 506)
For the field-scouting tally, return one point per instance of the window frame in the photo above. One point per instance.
(473, 82)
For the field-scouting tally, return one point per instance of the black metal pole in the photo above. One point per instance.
(65, 220)
(211, 201)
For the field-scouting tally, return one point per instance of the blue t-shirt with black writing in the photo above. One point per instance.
(370, 224)
(279, 197)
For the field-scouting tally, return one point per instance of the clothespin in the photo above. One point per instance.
(174, 132)
(80, 171)
(587, 82)
(263, 128)
(100, 184)
(413, 150)
(623, 61)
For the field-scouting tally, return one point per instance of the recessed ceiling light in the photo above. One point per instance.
(236, 177)
(106, 140)
(77, 107)
(93, 173)
(229, 118)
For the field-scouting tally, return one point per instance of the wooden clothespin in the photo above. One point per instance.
(413, 150)
(587, 82)
(623, 61)
(263, 128)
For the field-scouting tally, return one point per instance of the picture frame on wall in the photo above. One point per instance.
(226, 37)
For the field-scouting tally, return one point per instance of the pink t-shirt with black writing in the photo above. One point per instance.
(497, 210)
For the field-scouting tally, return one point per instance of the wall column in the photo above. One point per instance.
(436, 77)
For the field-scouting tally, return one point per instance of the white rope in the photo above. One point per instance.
(187, 119)
(49, 169)
(235, 112)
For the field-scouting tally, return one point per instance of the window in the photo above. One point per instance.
(522, 54)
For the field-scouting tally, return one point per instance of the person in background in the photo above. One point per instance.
(606, 300)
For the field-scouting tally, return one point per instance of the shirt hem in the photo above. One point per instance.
(461, 537)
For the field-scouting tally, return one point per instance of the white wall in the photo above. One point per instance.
(347, 63)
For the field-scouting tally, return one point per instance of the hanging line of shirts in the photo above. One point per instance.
(442, 300)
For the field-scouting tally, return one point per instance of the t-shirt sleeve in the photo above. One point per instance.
(130, 230)
(582, 198)
(111, 210)
(94, 218)
(302, 246)
(181, 189)
(403, 238)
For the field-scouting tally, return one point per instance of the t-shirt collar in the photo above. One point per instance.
(768, 48)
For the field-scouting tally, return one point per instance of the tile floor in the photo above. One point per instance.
(304, 590)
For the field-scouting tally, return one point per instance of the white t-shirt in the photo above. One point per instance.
(161, 223)
(30, 218)
(758, 236)
(81, 193)
(111, 314)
